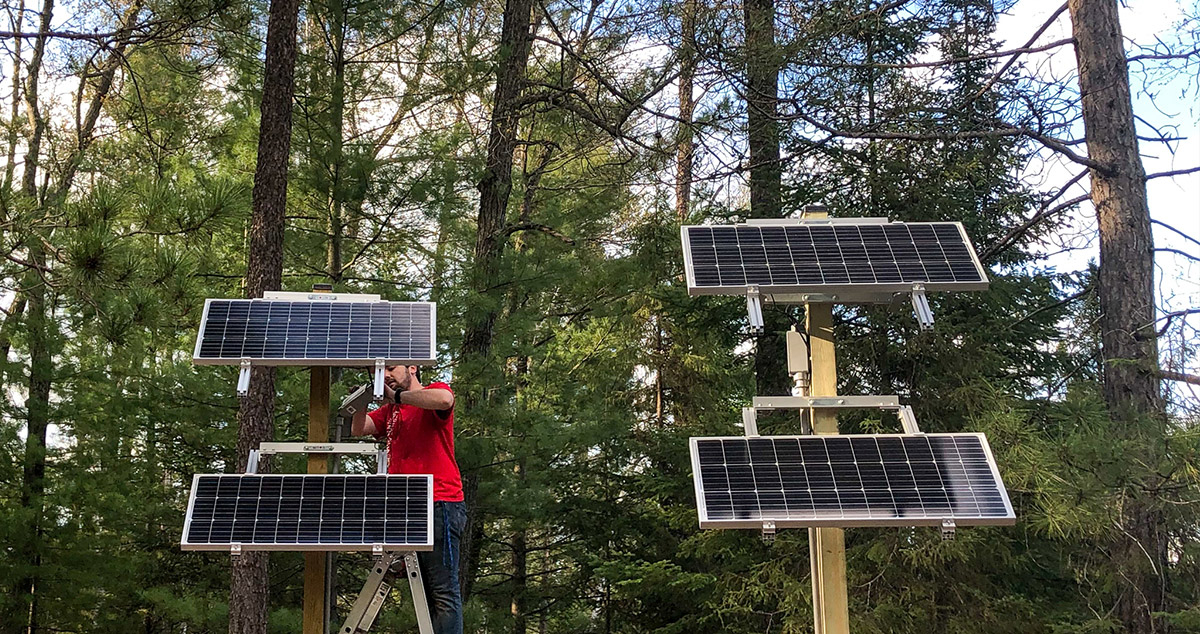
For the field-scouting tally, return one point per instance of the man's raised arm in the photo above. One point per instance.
(362, 425)
(434, 398)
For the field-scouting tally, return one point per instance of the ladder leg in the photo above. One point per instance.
(417, 585)
(374, 592)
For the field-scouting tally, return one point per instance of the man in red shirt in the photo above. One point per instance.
(418, 423)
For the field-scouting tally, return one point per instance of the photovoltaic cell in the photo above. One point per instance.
(823, 257)
(860, 480)
(309, 512)
(274, 332)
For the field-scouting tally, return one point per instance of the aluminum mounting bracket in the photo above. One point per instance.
(921, 307)
(243, 383)
(754, 309)
(379, 371)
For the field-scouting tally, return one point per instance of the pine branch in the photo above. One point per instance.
(1043, 213)
(1012, 60)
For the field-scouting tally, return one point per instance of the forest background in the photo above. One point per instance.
(527, 165)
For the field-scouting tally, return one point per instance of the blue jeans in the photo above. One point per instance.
(439, 567)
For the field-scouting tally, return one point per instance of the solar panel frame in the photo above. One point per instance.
(338, 361)
(332, 546)
(1007, 519)
(845, 291)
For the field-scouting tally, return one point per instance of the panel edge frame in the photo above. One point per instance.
(962, 230)
(701, 505)
(200, 333)
(689, 272)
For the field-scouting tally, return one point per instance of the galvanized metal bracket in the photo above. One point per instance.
(235, 550)
(908, 420)
(750, 422)
(379, 372)
(327, 448)
(947, 530)
(356, 448)
(754, 309)
(921, 307)
(243, 382)
(768, 531)
(767, 403)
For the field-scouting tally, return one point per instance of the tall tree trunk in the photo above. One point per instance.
(1126, 292)
(37, 408)
(24, 609)
(766, 175)
(520, 559)
(490, 239)
(16, 22)
(685, 153)
(518, 600)
(249, 590)
(337, 168)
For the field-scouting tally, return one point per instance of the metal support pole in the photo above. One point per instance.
(314, 617)
(827, 546)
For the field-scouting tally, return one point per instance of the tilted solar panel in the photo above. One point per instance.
(852, 480)
(848, 257)
(275, 332)
(310, 512)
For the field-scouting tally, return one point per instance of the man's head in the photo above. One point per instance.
(402, 378)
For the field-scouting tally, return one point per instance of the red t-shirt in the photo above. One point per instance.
(421, 441)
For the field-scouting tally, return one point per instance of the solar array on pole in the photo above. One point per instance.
(301, 512)
(857, 480)
(316, 513)
(824, 481)
(845, 260)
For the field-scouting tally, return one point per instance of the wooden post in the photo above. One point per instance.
(826, 546)
(314, 562)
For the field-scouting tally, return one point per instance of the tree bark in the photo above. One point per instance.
(16, 22)
(337, 168)
(686, 151)
(490, 240)
(249, 590)
(23, 614)
(766, 175)
(1126, 292)
(520, 560)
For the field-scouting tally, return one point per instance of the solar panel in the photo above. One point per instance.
(310, 512)
(852, 480)
(858, 259)
(274, 332)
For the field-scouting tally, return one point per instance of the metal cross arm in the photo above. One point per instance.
(333, 448)
(767, 403)
(908, 420)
